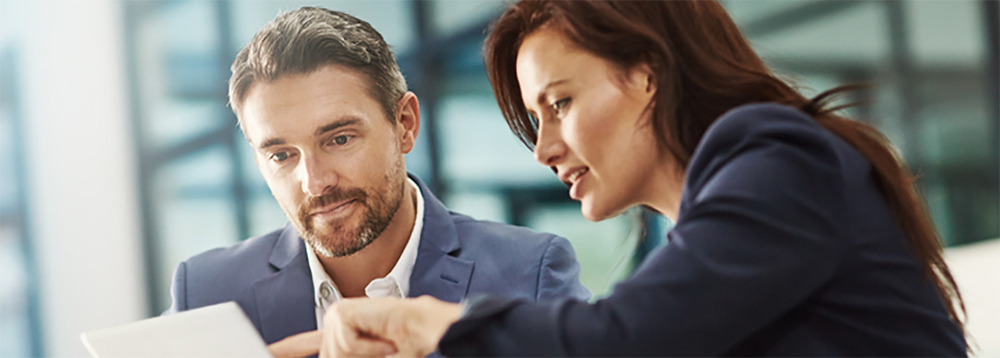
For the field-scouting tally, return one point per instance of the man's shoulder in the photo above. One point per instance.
(499, 239)
(225, 274)
(515, 261)
(252, 252)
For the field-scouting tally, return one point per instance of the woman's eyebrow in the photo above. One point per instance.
(541, 94)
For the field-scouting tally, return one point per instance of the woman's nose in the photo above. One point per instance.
(549, 147)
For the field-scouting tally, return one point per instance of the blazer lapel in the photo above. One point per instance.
(437, 271)
(284, 299)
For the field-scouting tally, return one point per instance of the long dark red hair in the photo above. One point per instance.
(704, 67)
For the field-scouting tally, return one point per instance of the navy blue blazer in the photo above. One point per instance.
(458, 256)
(783, 247)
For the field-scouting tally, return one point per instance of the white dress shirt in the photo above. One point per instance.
(395, 284)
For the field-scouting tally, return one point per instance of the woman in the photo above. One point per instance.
(798, 232)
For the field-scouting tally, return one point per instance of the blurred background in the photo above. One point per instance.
(119, 157)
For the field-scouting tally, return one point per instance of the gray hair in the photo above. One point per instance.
(303, 40)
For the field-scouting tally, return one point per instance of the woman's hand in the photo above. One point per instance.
(386, 326)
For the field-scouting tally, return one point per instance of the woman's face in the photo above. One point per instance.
(594, 123)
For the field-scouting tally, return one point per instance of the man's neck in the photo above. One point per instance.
(352, 273)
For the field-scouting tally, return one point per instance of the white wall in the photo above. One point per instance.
(81, 169)
(975, 269)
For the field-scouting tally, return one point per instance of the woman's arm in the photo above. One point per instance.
(374, 327)
(759, 232)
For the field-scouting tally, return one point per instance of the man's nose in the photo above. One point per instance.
(316, 176)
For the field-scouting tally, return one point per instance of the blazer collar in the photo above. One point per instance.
(289, 247)
(438, 271)
(439, 229)
(284, 298)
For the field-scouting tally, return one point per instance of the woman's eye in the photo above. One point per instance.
(279, 156)
(560, 105)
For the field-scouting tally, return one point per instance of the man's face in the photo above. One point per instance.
(330, 157)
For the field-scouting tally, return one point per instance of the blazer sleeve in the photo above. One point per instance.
(178, 290)
(756, 237)
(559, 273)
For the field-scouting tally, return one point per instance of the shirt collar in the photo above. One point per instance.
(404, 267)
(400, 273)
(320, 279)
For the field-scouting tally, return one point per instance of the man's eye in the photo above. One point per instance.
(341, 139)
(279, 156)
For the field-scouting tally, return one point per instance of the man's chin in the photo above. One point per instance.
(336, 247)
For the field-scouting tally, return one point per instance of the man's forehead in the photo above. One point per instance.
(304, 102)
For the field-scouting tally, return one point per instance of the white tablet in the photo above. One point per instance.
(221, 330)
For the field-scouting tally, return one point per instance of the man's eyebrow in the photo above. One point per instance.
(270, 143)
(541, 94)
(342, 122)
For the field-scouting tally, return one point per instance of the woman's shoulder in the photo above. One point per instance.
(774, 168)
(769, 146)
(761, 119)
(773, 126)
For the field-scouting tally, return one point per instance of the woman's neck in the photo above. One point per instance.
(665, 189)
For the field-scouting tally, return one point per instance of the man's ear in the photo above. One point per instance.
(407, 121)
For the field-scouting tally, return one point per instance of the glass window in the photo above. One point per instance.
(477, 146)
(604, 248)
(19, 319)
(194, 210)
(393, 19)
(453, 16)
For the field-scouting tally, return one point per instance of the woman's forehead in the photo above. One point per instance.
(547, 56)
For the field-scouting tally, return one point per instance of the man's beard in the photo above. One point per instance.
(339, 239)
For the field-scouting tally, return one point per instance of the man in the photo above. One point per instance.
(324, 106)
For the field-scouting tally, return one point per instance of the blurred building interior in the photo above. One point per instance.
(122, 158)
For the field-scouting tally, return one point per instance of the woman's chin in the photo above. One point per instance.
(595, 210)
(592, 212)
